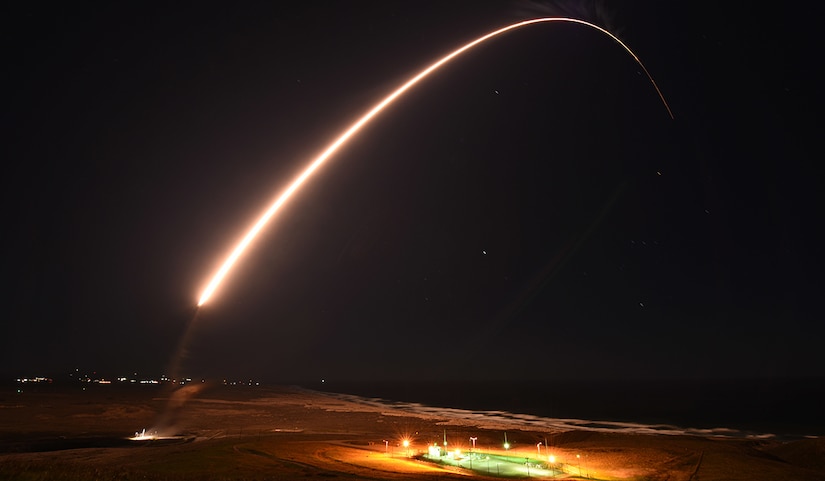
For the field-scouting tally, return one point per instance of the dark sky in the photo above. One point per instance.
(530, 211)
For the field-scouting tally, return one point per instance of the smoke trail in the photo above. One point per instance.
(594, 11)
(173, 371)
(373, 112)
(166, 424)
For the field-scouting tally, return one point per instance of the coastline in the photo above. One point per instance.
(782, 408)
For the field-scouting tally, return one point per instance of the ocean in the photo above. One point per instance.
(784, 408)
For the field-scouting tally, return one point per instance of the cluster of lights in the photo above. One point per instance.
(126, 380)
(34, 380)
(248, 382)
(134, 379)
(457, 456)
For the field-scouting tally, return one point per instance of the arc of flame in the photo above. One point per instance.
(247, 239)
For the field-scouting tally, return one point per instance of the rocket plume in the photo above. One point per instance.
(353, 129)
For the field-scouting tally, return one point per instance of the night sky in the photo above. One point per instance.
(529, 212)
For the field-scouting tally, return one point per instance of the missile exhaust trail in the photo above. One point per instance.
(353, 129)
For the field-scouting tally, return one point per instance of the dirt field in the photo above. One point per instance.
(241, 433)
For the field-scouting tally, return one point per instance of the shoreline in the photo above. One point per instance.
(760, 422)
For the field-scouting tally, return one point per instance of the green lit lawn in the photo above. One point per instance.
(501, 465)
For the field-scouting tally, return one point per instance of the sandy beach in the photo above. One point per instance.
(283, 433)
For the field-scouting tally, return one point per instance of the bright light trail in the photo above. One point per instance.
(355, 127)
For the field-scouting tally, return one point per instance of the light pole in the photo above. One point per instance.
(538, 449)
(506, 444)
(473, 440)
(386, 446)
